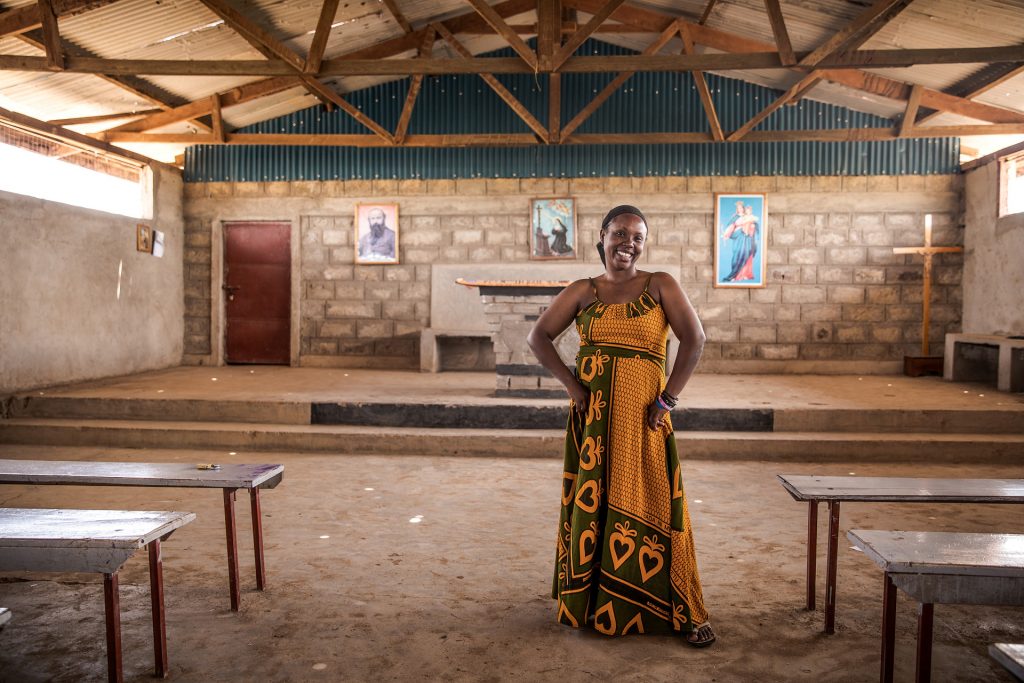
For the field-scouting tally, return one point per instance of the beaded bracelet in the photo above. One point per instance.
(661, 404)
(669, 399)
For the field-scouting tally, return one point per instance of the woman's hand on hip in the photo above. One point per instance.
(656, 416)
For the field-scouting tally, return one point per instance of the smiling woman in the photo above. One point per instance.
(40, 167)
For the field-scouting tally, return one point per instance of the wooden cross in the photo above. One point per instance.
(927, 251)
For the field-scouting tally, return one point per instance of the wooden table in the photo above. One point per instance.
(230, 478)
(1011, 656)
(935, 567)
(94, 541)
(833, 490)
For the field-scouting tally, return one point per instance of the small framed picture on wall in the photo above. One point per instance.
(376, 233)
(553, 228)
(144, 238)
(740, 240)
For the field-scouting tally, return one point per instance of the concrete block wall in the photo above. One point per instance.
(837, 298)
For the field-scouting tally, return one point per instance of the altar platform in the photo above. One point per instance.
(876, 418)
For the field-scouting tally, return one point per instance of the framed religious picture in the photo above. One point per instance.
(144, 238)
(376, 233)
(740, 240)
(553, 228)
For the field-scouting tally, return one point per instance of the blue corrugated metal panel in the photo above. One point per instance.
(649, 102)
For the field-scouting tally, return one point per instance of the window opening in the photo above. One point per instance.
(1011, 184)
(40, 166)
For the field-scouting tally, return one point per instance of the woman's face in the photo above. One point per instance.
(623, 241)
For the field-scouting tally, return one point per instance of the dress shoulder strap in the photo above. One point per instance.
(647, 285)
(593, 285)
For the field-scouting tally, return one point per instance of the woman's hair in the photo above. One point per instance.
(612, 215)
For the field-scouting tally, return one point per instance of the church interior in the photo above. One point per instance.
(294, 251)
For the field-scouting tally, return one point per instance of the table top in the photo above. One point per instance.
(903, 489)
(138, 474)
(77, 529)
(1010, 655)
(942, 552)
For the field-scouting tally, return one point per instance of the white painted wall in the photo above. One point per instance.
(994, 259)
(77, 301)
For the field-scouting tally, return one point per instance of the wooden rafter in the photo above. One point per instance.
(203, 107)
(554, 108)
(323, 31)
(136, 86)
(414, 89)
(270, 47)
(28, 17)
(549, 30)
(706, 14)
(528, 139)
(859, 80)
(994, 82)
(382, 66)
(786, 55)
(702, 88)
(397, 14)
(910, 115)
(511, 37)
(855, 33)
(616, 83)
(583, 33)
(502, 92)
(51, 34)
(219, 133)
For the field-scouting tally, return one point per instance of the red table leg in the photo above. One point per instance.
(232, 540)
(257, 538)
(156, 594)
(112, 607)
(888, 628)
(830, 574)
(812, 550)
(924, 642)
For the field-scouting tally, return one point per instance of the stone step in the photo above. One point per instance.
(511, 415)
(546, 443)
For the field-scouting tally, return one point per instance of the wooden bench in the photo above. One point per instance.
(940, 568)
(230, 478)
(1011, 656)
(962, 363)
(833, 490)
(94, 541)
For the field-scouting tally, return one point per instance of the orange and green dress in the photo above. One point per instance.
(625, 554)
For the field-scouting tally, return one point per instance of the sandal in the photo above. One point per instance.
(702, 636)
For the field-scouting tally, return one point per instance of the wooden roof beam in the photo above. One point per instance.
(323, 31)
(666, 35)
(51, 35)
(851, 37)
(415, 84)
(501, 28)
(778, 23)
(398, 16)
(585, 32)
(910, 115)
(528, 139)
(140, 88)
(702, 88)
(514, 104)
(549, 30)
(29, 17)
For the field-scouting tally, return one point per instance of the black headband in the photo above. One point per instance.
(618, 211)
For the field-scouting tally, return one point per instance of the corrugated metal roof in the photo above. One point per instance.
(185, 29)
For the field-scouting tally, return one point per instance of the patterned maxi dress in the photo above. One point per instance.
(625, 555)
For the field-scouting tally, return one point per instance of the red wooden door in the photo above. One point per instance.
(257, 292)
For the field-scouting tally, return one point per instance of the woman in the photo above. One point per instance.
(625, 557)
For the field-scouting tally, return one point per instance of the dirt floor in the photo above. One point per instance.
(359, 590)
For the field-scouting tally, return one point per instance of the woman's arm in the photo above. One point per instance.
(552, 322)
(683, 320)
